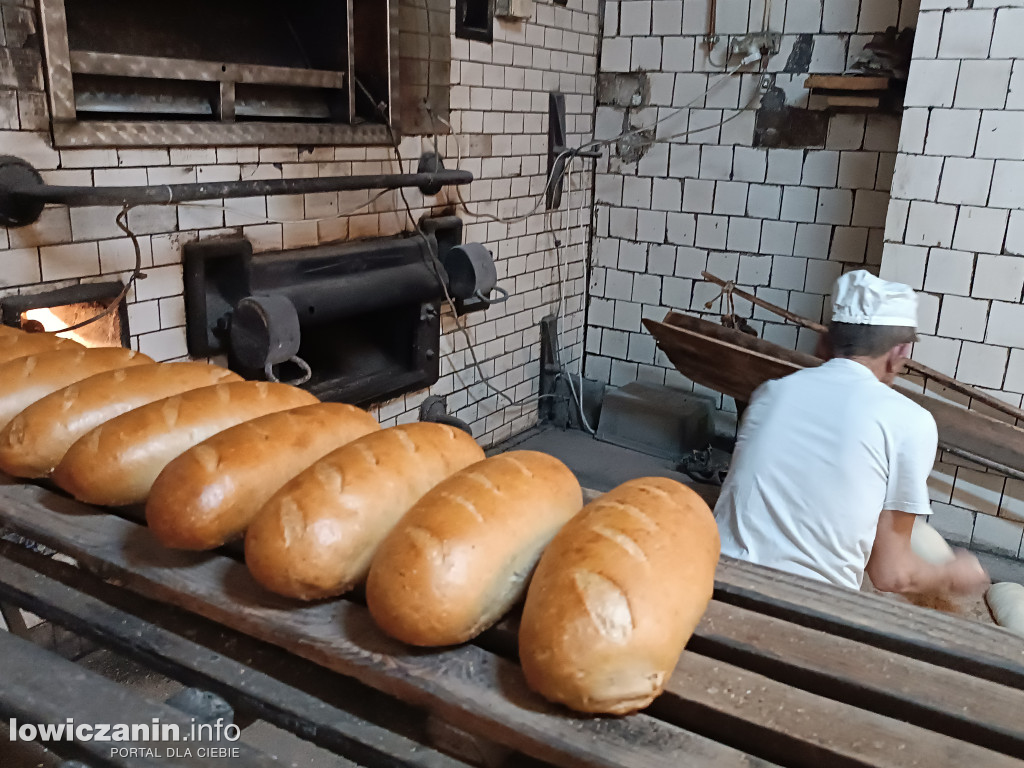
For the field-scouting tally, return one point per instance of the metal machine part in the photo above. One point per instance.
(264, 333)
(364, 317)
(472, 277)
(558, 150)
(435, 409)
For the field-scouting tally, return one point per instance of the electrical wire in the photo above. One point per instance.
(559, 169)
(137, 274)
(439, 273)
(562, 290)
(568, 154)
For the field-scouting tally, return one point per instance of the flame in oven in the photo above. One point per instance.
(51, 323)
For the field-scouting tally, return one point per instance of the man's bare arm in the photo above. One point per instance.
(893, 566)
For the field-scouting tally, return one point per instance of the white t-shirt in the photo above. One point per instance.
(820, 454)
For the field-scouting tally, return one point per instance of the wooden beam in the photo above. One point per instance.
(947, 381)
(40, 687)
(853, 102)
(883, 681)
(468, 687)
(847, 82)
(988, 652)
(278, 703)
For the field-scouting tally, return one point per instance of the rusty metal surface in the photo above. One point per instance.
(58, 60)
(179, 134)
(160, 68)
(374, 44)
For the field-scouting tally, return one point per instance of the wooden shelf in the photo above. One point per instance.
(847, 83)
(861, 92)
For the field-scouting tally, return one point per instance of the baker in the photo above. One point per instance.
(831, 464)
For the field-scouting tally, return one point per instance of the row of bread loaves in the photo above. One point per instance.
(446, 541)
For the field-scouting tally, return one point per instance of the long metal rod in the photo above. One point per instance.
(912, 365)
(180, 193)
(982, 461)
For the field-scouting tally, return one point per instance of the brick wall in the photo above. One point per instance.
(955, 231)
(499, 106)
(785, 221)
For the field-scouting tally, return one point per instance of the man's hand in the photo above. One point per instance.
(893, 566)
(966, 576)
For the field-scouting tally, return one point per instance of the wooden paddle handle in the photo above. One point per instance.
(912, 365)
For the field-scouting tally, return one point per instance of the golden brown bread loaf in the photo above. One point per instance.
(616, 596)
(210, 494)
(15, 343)
(37, 438)
(462, 556)
(25, 380)
(117, 462)
(315, 538)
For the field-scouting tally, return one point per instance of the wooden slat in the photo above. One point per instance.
(735, 364)
(913, 366)
(881, 681)
(724, 366)
(276, 702)
(983, 651)
(855, 102)
(974, 432)
(757, 713)
(40, 687)
(466, 686)
(847, 82)
(739, 339)
(753, 712)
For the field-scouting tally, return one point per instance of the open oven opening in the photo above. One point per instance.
(56, 310)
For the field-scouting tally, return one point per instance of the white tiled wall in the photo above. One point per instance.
(785, 222)
(499, 99)
(954, 231)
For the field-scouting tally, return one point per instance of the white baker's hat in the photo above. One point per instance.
(860, 298)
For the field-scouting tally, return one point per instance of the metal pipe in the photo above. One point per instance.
(1003, 469)
(23, 193)
(711, 38)
(180, 193)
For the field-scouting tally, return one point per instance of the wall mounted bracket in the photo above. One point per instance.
(557, 150)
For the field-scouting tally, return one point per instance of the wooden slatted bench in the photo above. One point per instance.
(781, 671)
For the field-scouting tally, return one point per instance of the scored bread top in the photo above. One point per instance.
(316, 536)
(617, 594)
(37, 438)
(209, 494)
(117, 462)
(15, 343)
(25, 380)
(462, 555)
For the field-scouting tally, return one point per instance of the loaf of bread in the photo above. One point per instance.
(462, 556)
(616, 596)
(316, 537)
(15, 343)
(1006, 600)
(37, 438)
(210, 494)
(117, 462)
(25, 380)
(928, 544)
